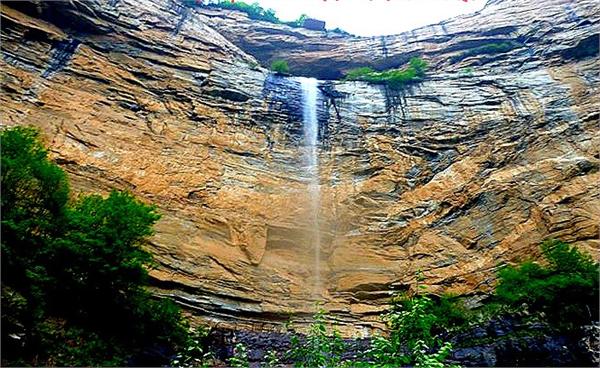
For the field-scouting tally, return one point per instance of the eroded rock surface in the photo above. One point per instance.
(467, 170)
(538, 29)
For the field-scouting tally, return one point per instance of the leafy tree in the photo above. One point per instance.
(74, 273)
(34, 196)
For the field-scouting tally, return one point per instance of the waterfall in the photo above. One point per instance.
(311, 163)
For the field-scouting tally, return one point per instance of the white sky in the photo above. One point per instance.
(372, 17)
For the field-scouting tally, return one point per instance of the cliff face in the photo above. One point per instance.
(542, 30)
(469, 169)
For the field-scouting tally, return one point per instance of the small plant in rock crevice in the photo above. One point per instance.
(280, 67)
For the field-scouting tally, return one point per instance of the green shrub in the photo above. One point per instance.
(488, 49)
(34, 197)
(78, 268)
(423, 358)
(413, 334)
(318, 348)
(195, 352)
(359, 73)
(396, 79)
(450, 312)
(280, 66)
(272, 359)
(566, 289)
(240, 357)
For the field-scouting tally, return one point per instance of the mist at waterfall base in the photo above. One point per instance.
(310, 126)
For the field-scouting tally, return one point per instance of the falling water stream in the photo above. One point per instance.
(311, 163)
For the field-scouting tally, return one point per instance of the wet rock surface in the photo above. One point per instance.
(472, 168)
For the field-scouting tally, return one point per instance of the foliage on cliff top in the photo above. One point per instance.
(73, 272)
(396, 79)
(257, 12)
(254, 11)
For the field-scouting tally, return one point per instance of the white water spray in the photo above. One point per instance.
(311, 162)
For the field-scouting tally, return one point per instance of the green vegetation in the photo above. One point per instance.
(254, 11)
(73, 272)
(272, 359)
(280, 66)
(412, 340)
(195, 353)
(396, 79)
(468, 71)
(240, 357)
(562, 293)
(565, 290)
(257, 12)
(318, 348)
(487, 49)
(413, 334)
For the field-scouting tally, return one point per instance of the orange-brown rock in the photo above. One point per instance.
(465, 171)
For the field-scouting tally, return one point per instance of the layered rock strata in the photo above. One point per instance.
(470, 169)
(542, 29)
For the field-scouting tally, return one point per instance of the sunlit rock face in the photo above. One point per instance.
(467, 170)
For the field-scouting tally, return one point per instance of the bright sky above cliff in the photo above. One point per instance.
(373, 17)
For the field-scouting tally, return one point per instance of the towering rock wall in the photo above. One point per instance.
(542, 29)
(469, 169)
